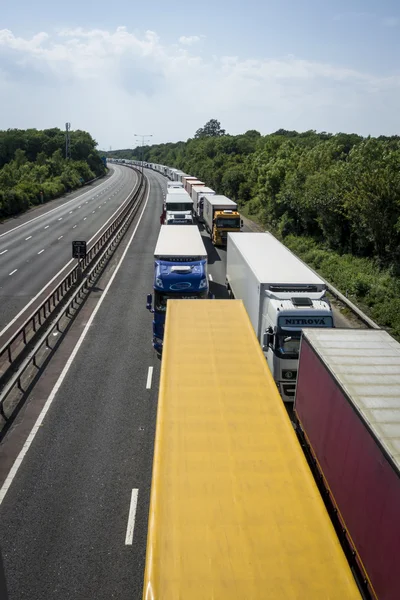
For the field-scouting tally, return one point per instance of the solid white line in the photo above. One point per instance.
(28, 238)
(48, 212)
(210, 277)
(4, 251)
(40, 252)
(18, 461)
(47, 226)
(131, 518)
(61, 236)
(62, 269)
(12, 272)
(149, 378)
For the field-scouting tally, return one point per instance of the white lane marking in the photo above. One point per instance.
(60, 219)
(4, 251)
(85, 218)
(61, 236)
(74, 226)
(12, 272)
(210, 277)
(62, 269)
(149, 378)
(131, 518)
(47, 213)
(18, 461)
(40, 251)
(85, 202)
(47, 226)
(70, 212)
(28, 238)
(93, 211)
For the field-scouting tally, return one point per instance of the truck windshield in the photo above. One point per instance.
(288, 344)
(160, 299)
(178, 206)
(227, 222)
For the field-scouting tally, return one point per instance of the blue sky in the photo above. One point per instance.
(296, 64)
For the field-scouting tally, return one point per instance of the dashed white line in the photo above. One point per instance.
(18, 461)
(40, 251)
(85, 218)
(93, 211)
(12, 272)
(28, 238)
(74, 227)
(61, 236)
(47, 226)
(210, 277)
(4, 251)
(149, 378)
(131, 518)
(70, 212)
(60, 219)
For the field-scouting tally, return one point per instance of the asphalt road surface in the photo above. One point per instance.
(35, 246)
(64, 520)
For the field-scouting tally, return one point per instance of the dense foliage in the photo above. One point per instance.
(33, 168)
(337, 197)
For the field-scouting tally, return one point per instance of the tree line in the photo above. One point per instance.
(33, 167)
(334, 198)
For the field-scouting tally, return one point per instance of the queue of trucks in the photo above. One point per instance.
(343, 386)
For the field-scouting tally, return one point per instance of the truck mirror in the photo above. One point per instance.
(241, 222)
(267, 340)
(149, 301)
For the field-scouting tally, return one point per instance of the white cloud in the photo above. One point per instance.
(113, 83)
(190, 40)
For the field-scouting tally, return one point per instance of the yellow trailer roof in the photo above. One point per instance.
(235, 512)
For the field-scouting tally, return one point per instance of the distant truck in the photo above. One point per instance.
(281, 295)
(174, 184)
(178, 207)
(348, 412)
(220, 216)
(180, 261)
(198, 194)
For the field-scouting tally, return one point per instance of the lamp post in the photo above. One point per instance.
(149, 135)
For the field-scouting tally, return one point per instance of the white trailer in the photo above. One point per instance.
(198, 193)
(281, 295)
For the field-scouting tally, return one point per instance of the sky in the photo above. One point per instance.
(117, 69)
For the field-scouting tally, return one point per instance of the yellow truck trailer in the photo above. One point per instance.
(235, 513)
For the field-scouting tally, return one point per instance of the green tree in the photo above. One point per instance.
(211, 129)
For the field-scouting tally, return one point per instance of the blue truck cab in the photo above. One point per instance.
(180, 271)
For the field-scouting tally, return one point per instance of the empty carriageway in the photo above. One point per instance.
(35, 247)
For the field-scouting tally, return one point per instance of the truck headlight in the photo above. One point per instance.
(159, 282)
(203, 284)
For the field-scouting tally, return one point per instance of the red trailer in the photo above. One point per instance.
(348, 411)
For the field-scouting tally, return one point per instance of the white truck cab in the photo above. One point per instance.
(281, 295)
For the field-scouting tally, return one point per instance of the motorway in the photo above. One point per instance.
(73, 522)
(37, 245)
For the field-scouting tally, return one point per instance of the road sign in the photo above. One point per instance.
(78, 249)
